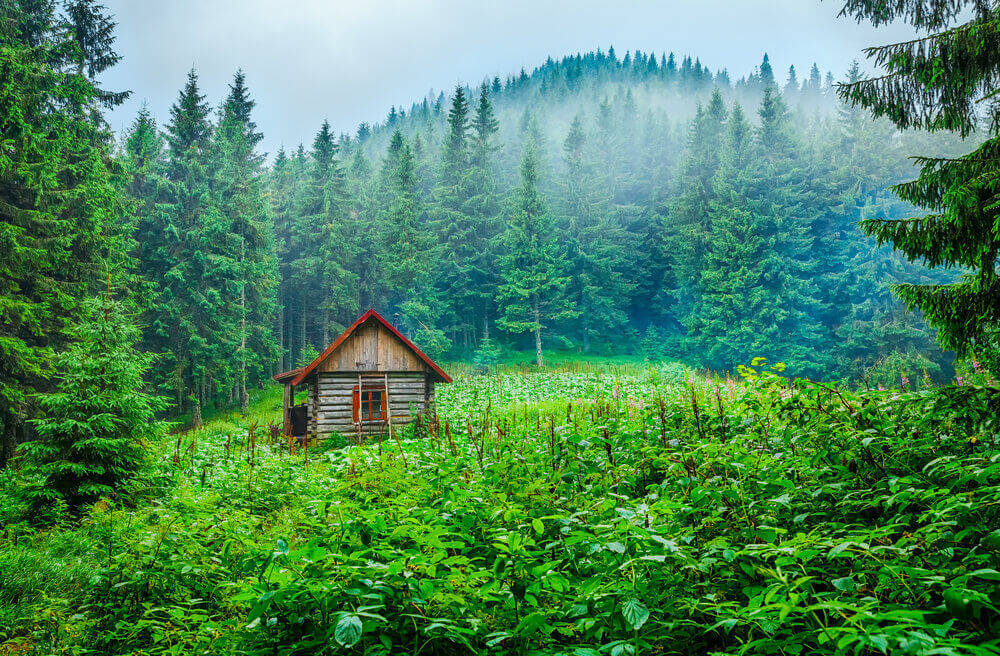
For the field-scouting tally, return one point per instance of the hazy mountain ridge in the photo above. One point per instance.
(639, 115)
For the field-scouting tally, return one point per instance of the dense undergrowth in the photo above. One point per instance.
(636, 511)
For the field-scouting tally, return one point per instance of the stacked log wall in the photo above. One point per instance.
(331, 408)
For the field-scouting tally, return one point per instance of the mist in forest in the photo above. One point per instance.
(346, 62)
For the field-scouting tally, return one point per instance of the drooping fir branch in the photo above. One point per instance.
(944, 81)
(939, 176)
(963, 194)
(93, 34)
(922, 14)
(965, 313)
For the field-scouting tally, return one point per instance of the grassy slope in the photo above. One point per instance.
(553, 512)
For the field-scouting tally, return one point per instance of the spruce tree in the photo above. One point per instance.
(483, 207)
(792, 84)
(597, 245)
(278, 190)
(755, 290)
(782, 177)
(689, 230)
(454, 226)
(484, 128)
(944, 81)
(534, 278)
(409, 251)
(93, 34)
(766, 73)
(62, 216)
(189, 319)
(320, 275)
(364, 190)
(98, 421)
(146, 187)
(724, 329)
(866, 323)
(239, 193)
(456, 144)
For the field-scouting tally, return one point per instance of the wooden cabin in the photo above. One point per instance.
(371, 380)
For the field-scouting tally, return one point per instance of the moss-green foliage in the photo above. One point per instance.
(91, 440)
(635, 510)
(945, 80)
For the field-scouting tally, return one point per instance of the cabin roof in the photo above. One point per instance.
(296, 376)
(286, 376)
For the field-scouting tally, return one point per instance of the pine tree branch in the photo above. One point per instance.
(934, 82)
(922, 14)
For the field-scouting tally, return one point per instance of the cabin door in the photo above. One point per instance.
(299, 415)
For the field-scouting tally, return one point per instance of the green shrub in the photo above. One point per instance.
(487, 356)
(93, 427)
(902, 370)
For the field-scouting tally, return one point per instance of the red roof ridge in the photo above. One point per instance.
(371, 313)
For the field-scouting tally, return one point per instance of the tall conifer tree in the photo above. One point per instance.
(597, 246)
(189, 320)
(62, 217)
(689, 230)
(944, 81)
(534, 275)
(454, 226)
(239, 193)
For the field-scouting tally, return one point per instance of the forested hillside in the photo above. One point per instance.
(601, 203)
(688, 406)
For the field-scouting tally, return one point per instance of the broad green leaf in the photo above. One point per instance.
(840, 548)
(988, 574)
(635, 613)
(845, 584)
(349, 629)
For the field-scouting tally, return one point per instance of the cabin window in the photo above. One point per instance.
(369, 403)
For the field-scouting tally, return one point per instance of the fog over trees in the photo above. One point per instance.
(672, 211)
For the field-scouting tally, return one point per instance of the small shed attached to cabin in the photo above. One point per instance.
(369, 379)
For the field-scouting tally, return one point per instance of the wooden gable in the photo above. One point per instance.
(372, 347)
(370, 344)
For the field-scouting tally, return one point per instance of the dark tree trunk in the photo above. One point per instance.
(8, 438)
(281, 336)
(198, 402)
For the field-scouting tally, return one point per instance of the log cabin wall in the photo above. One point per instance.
(364, 355)
(313, 406)
(331, 407)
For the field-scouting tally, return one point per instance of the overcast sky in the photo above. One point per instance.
(349, 61)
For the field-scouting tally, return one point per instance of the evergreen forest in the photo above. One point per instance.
(725, 348)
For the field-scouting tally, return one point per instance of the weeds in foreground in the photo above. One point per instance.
(560, 513)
